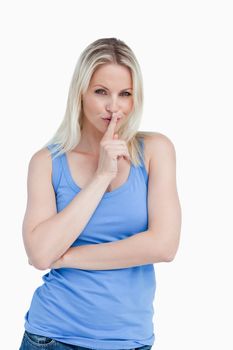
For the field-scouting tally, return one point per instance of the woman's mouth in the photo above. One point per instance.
(107, 120)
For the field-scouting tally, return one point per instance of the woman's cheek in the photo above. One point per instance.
(128, 105)
(98, 103)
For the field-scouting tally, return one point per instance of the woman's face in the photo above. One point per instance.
(109, 91)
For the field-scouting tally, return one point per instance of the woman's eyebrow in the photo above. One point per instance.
(108, 89)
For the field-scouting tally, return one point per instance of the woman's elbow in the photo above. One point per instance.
(39, 265)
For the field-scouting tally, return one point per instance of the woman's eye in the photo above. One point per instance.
(100, 90)
(129, 94)
(97, 91)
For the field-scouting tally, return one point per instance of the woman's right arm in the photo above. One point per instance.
(47, 234)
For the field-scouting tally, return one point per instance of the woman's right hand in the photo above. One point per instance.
(111, 148)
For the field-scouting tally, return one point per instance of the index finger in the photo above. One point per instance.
(111, 128)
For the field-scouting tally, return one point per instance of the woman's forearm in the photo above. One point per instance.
(52, 237)
(135, 250)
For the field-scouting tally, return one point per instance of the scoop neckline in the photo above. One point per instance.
(77, 188)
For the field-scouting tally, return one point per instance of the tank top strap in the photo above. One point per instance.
(56, 167)
(144, 171)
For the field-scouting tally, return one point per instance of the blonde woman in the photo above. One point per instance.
(102, 209)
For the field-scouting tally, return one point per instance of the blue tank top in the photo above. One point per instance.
(99, 309)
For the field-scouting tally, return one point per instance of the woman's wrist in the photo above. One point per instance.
(67, 259)
(59, 263)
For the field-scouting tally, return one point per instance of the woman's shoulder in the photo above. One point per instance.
(153, 139)
(155, 143)
(153, 136)
(41, 159)
(43, 154)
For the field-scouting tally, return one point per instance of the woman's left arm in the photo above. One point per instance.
(157, 244)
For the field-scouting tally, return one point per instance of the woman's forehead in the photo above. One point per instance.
(112, 75)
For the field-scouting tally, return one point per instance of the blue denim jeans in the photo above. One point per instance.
(32, 341)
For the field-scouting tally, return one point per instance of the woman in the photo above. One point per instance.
(102, 209)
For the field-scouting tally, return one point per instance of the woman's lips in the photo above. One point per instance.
(107, 120)
(119, 117)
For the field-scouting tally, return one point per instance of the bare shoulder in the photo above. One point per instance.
(156, 140)
(158, 147)
(41, 159)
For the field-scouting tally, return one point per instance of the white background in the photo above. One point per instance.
(184, 49)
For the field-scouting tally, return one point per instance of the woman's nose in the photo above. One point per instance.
(113, 106)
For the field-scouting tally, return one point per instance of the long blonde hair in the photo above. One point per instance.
(101, 51)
